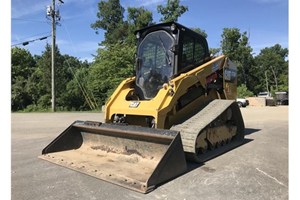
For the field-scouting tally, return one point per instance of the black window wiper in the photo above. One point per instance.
(165, 50)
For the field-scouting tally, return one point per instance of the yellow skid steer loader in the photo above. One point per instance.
(180, 106)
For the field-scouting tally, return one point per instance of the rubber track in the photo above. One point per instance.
(190, 129)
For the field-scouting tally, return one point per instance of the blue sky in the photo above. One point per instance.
(266, 21)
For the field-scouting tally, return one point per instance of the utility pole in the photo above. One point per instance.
(54, 17)
(53, 14)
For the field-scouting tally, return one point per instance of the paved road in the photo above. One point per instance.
(256, 170)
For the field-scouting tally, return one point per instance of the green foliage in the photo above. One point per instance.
(214, 51)
(77, 95)
(110, 19)
(31, 81)
(231, 42)
(283, 82)
(243, 91)
(272, 68)
(200, 31)
(113, 64)
(110, 15)
(36, 108)
(41, 78)
(236, 46)
(172, 11)
(44, 101)
(22, 63)
(22, 66)
(267, 71)
(20, 97)
(137, 18)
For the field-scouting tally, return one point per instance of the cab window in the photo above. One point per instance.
(193, 52)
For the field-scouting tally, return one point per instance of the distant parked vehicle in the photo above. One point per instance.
(282, 98)
(264, 94)
(242, 102)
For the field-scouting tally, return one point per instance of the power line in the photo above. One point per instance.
(32, 36)
(28, 41)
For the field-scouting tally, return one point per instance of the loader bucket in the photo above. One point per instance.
(136, 158)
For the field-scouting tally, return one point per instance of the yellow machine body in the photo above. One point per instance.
(163, 106)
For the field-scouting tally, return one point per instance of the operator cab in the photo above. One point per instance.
(163, 52)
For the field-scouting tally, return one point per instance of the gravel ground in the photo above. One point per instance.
(256, 170)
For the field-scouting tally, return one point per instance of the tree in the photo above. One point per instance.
(77, 95)
(243, 91)
(230, 42)
(22, 63)
(112, 65)
(20, 98)
(214, 51)
(22, 66)
(271, 62)
(137, 18)
(115, 61)
(110, 18)
(235, 45)
(39, 83)
(172, 11)
(200, 31)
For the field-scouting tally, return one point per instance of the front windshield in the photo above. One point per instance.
(155, 66)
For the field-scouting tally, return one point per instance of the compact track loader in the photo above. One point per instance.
(180, 106)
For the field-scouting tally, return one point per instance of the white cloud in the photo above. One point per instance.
(152, 2)
(139, 3)
(89, 59)
(62, 42)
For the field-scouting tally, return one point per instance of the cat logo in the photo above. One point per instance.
(134, 104)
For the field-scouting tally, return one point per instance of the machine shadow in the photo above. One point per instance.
(192, 165)
(249, 131)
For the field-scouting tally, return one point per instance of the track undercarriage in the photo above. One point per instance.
(214, 130)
